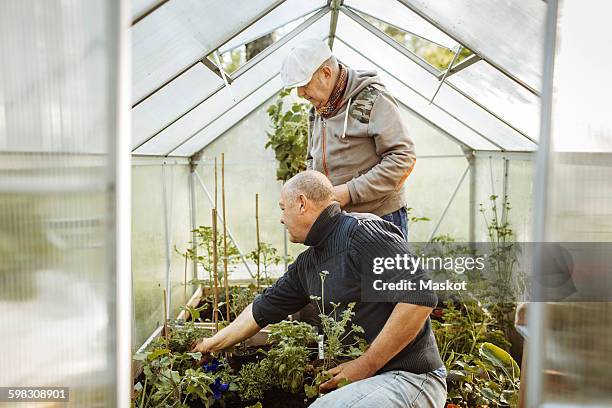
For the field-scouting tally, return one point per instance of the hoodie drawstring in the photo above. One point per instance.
(348, 107)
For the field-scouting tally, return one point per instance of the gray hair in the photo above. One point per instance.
(313, 185)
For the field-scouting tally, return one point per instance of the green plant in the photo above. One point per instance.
(289, 136)
(504, 250)
(204, 255)
(340, 339)
(508, 283)
(170, 379)
(413, 219)
(463, 329)
(172, 374)
(287, 363)
(491, 379)
(182, 337)
(254, 379)
(292, 333)
(241, 297)
(267, 256)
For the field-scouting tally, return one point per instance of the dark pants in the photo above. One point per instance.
(400, 219)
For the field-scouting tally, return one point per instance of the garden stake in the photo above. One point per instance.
(216, 188)
(257, 232)
(216, 279)
(165, 330)
(227, 301)
(185, 282)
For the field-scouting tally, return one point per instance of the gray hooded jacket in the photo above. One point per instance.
(364, 144)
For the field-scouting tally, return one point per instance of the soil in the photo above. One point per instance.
(242, 356)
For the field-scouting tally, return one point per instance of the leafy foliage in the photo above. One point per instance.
(341, 337)
(471, 344)
(289, 136)
(241, 297)
(492, 379)
(291, 332)
(267, 256)
(287, 363)
(173, 375)
(254, 379)
(204, 256)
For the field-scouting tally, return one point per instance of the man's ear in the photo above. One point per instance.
(326, 71)
(302, 203)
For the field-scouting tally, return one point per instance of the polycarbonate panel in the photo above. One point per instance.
(482, 121)
(68, 97)
(507, 33)
(220, 102)
(500, 95)
(288, 11)
(172, 101)
(180, 32)
(415, 101)
(394, 13)
(229, 119)
(582, 120)
(425, 84)
(58, 270)
(577, 369)
(379, 51)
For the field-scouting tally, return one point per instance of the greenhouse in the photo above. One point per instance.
(147, 146)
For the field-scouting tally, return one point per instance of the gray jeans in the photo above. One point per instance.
(393, 389)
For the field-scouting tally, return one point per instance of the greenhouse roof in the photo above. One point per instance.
(183, 98)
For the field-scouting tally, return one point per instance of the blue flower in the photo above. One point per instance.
(211, 366)
(218, 388)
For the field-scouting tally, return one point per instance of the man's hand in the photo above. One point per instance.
(342, 195)
(353, 370)
(203, 347)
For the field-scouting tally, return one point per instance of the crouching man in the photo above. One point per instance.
(402, 366)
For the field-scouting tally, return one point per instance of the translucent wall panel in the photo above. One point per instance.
(416, 101)
(394, 13)
(288, 11)
(576, 352)
(172, 101)
(57, 232)
(430, 184)
(507, 33)
(229, 119)
(149, 245)
(68, 95)
(211, 109)
(424, 83)
(484, 122)
(504, 97)
(504, 175)
(180, 32)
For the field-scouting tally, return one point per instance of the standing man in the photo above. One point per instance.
(356, 135)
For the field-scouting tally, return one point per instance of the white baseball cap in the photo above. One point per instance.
(303, 61)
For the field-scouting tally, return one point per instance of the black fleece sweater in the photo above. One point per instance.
(337, 243)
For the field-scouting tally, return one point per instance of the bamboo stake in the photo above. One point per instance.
(216, 278)
(225, 278)
(165, 329)
(216, 184)
(185, 282)
(257, 232)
